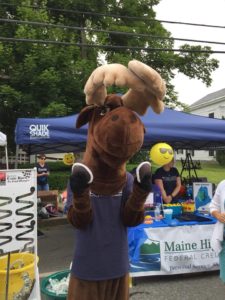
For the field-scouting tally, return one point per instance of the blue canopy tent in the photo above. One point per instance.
(50, 135)
(183, 130)
(180, 130)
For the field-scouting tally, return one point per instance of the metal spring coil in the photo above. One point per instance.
(7, 226)
(29, 216)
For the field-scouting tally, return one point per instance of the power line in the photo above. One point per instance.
(35, 41)
(107, 31)
(115, 16)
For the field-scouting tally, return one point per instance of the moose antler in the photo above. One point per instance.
(146, 87)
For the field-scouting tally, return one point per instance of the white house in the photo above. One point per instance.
(212, 106)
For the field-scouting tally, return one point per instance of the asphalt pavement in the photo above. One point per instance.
(55, 250)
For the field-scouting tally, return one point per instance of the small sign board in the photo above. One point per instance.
(202, 194)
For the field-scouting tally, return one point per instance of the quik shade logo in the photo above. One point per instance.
(39, 131)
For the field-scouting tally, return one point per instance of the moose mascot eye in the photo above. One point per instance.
(106, 198)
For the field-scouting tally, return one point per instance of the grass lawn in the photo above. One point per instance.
(211, 170)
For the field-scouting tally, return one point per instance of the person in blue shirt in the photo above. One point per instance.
(168, 180)
(42, 173)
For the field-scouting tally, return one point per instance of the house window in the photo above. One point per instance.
(180, 151)
(211, 152)
(211, 115)
(192, 152)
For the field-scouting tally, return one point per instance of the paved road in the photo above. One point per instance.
(55, 251)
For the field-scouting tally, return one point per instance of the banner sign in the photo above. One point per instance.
(18, 234)
(18, 210)
(175, 250)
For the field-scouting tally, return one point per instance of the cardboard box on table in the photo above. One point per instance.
(49, 197)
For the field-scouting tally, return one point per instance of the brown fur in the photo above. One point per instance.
(113, 138)
(146, 87)
(114, 289)
(110, 144)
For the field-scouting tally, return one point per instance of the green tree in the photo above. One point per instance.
(220, 157)
(39, 79)
(45, 79)
(220, 154)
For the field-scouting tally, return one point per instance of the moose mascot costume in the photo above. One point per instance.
(107, 199)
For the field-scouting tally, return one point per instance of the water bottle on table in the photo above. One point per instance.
(157, 212)
(157, 195)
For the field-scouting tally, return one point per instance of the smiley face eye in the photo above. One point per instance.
(164, 150)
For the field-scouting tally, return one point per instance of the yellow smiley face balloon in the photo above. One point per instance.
(68, 159)
(161, 154)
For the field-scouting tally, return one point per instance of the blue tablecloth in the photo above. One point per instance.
(137, 235)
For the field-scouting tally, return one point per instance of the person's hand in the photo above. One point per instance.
(168, 199)
(80, 178)
(221, 217)
(144, 176)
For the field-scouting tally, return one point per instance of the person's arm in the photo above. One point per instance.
(166, 199)
(48, 171)
(159, 182)
(133, 211)
(44, 173)
(218, 215)
(215, 204)
(80, 212)
(136, 195)
(177, 188)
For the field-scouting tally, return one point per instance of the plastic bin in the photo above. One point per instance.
(23, 265)
(177, 208)
(188, 207)
(48, 295)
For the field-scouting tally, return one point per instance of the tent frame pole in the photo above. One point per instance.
(6, 158)
(17, 156)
